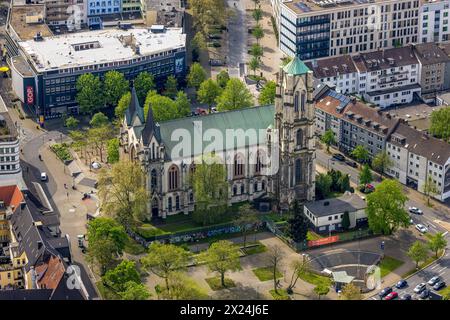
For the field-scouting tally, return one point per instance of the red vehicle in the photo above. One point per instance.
(201, 111)
(391, 296)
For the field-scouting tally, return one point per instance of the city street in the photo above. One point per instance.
(237, 38)
(436, 219)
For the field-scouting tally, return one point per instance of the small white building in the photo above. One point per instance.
(326, 215)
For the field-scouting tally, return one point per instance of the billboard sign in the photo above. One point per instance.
(30, 95)
(321, 242)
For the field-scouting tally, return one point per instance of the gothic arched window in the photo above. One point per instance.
(191, 197)
(238, 165)
(169, 204)
(177, 202)
(173, 177)
(259, 162)
(234, 190)
(242, 189)
(299, 138)
(296, 102)
(153, 179)
(303, 101)
(255, 187)
(263, 185)
(298, 171)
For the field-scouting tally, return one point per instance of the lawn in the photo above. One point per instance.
(311, 236)
(276, 217)
(256, 248)
(315, 279)
(214, 283)
(281, 295)
(147, 231)
(134, 248)
(266, 273)
(445, 293)
(389, 264)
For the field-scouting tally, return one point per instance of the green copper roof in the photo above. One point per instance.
(296, 67)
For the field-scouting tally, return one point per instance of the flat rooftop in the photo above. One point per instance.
(26, 21)
(306, 6)
(101, 46)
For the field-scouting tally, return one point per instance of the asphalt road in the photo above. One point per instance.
(439, 268)
(237, 38)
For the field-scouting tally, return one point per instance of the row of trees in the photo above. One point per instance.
(256, 51)
(419, 250)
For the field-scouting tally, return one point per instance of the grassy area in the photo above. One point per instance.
(214, 283)
(311, 236)
(62, 151)
(105, 292)
(421, 266)
(134, 248)
(445, 293)
(147, 230)
(276, 217)
(389, 264)
(315, 279)
(258, 248)
(281, 295)
(266, 273)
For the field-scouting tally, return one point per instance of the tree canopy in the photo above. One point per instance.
(234, 96)
(208, 92)
(381, 162)
(115, 86)
(418, 252)
(99, 119)
(171, 87)
(360, 153)
(298, 225)
(196, 75)
(118, 277)
(365, 175)
(440, 123)
(436, 243)
(267, 94)
(143, 83)
(123, 105)
(222, 78)
(386, 207)
(328, 138)
(89, 93)
(165, 108)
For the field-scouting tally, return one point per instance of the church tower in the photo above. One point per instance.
(294, 120)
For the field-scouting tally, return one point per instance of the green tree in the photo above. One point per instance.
(99, 120)
(122, 105)
(418, 252)
(298, 225)
(196, 75)
(134, 291)
(258, 33)
(299, 267)
(344, 183)
(440, 120)
(143, 83)
(164, 259)
(351, 292)
(430, 188)
(360, 153)
(256, 50)
(183, 104)
(222, 78)
(106, 241)
(436, 243)
(115, 86)
(71, 123)
(198, 44)
(385, 207)
(97, 138)
(79, 141)
(346, 221)
(89, 93)
(112, 149)
(234, 96)
(221, 256)
(254, 64)
(122, 192)
(381, 162)
(257, 14)
(118, 277)
(321, 290)
(267, 95)
(165, 108)
(246, 220)
(208, 92)
(365, 176)
(323, 186)
(171, 87)
(328, 138)
(182, 287)
(210, 190)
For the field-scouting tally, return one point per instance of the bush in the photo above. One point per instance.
(62, 151)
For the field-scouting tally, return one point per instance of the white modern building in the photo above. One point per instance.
(434, 21)
(10, 169)
(417, 157)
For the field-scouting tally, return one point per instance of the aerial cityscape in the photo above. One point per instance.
(224, 150)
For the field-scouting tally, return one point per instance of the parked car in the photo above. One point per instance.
(214, 44)
(420, 287)
(415, 210)
(216, 62)
(44, 176)
(407, 297)
(201, 111)
(401, 284)
(425, 294)
(214, 110)
(215, 36)
(434, 280)
(338, 157)
(439, 285)
(385, 292)
(421, 228)
(351, 163)
(367, 188)
(391, 296)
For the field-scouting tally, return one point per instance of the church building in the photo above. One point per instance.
(268, 151)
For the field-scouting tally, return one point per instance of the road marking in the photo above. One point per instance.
(445, 233)
(373, 298)
(434, 267)
(442, 270)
